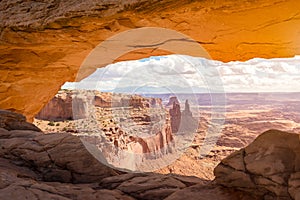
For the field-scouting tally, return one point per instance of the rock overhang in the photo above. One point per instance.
(41, 51)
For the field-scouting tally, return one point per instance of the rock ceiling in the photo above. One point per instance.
(43, 43)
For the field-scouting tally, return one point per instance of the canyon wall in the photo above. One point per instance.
(43, 43)
(141, 114)
(62, 105)
(110, 100)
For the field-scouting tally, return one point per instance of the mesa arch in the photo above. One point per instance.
(40, 51)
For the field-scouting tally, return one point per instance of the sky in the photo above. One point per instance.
(186, 74)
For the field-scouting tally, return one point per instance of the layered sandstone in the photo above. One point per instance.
(70, 105)
(129, 124)
(63, 106)
(111, 100)
(43, 43)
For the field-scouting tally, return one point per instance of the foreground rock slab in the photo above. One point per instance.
(268, 167)
(34, 165)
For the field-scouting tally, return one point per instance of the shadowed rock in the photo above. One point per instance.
(14, 121)
(268, 167)
(54, 157)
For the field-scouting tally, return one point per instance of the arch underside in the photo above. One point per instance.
(38, 58)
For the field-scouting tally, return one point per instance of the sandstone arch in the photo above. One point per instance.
(39, 52)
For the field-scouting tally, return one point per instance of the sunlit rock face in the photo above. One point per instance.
(43, 43)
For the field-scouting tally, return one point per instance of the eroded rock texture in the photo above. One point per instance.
(34, 165)
(43, 43)
(268, 167)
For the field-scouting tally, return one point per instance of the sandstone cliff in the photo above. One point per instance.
(65, 104)
(61, 108)
(130, 124)
(110, 100)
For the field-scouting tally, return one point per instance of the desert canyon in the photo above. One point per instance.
(44, 131)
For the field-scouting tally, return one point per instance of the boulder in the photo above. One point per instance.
(55, 157)
(14, 121)
(268, 167)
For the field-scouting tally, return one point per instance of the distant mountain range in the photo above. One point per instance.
(158, 90)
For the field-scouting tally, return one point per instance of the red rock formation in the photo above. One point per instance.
(172, 100)
(68, 105)
(103, 103)
(64, 106)
(108, 100)
(159, 139)
(59, 108)
(34, 165)
(188, 123)
(160, 142)
(154, 102)
(187, 111)
(175, 115)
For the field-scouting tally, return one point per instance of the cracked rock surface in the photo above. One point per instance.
(268, 167)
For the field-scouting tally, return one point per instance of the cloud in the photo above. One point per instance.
(182, 73)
